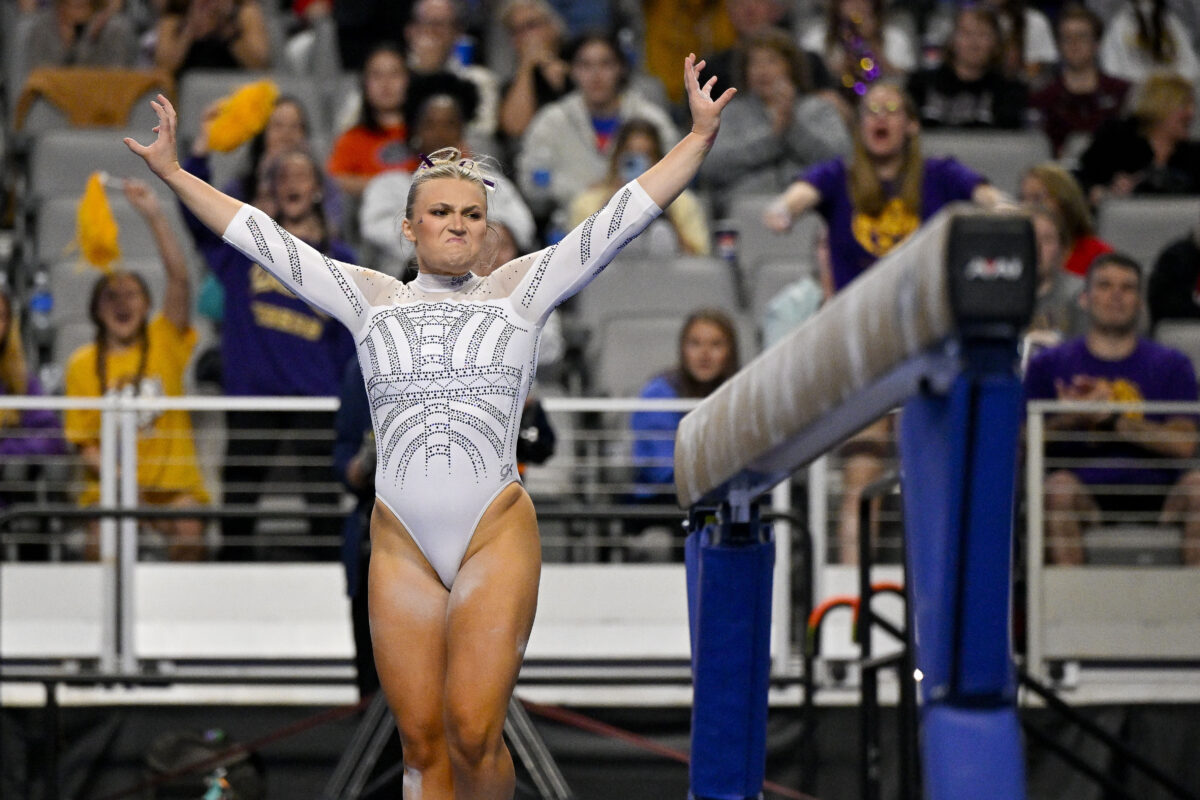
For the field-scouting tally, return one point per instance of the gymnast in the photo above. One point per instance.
(447, 361)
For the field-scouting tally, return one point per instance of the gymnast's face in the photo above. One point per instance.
(448, 225)
(706, 351)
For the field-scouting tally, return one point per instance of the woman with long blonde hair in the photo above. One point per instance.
(871, 202)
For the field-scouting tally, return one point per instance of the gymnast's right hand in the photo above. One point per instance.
(160, 155)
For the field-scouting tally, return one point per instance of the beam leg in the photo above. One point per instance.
(729, 568)
(958, 458)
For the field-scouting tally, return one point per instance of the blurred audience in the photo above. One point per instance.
(1144, 37)
(1150, 150)
(859, 45)
(871, 202)
(682, 26)
(775, 126)
(273, 344)
(1126, 462)
(683, 227)
(1048, 184)
(26, 434)
(378, 142)
(1027, 39)
(750, 18)
(142, 355)
(1079, 98)
(542, 76)
(287, 129)
(80, 33)
(362, 25)
(431, 36)
(1057, 313)
(878, 196)
(567, 145)
(970, 89)
(1174, 287)
(708, 356)
(212, 34)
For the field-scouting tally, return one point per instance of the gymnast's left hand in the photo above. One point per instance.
(160, 155)
(706, 112)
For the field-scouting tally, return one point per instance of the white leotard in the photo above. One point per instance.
(447, 362)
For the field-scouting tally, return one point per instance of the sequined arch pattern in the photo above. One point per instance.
(445, 391)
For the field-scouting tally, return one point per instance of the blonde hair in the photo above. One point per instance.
(866, 190)
(1071, 205)
(14, 374)
(449, 162)
(1162, 93)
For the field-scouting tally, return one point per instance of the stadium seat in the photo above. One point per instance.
(758, 246)
(55, 224)
(1143, 226)
(1002, 156)
(1183, 335)
(628, 350)
(198, 89)
(62, 160)
(673, 286)
(770, 278)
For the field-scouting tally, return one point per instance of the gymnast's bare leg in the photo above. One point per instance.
(448, 660)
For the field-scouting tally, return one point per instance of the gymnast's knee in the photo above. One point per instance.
(424, 744)
(473, 741)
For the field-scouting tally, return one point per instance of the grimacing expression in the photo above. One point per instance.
(706, 351)
(448, 225)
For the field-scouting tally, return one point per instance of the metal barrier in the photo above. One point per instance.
(1130, 604)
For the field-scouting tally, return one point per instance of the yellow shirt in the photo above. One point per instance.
(681, 27)
(166, 449)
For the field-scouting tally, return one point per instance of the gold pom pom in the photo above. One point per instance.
(96, 228)
(242, 116)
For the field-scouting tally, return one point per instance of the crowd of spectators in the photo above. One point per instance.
(573, 100)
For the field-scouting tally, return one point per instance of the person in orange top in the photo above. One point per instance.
(145, 356)
(379, 141)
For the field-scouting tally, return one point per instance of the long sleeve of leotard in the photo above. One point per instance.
(562, 269)
(332, 286)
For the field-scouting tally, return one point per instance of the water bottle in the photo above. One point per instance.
(464, 50)
(41, 307)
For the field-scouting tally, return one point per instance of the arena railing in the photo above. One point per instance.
(603, 619)
(1132, 605)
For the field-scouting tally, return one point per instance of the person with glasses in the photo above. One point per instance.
(871, 202)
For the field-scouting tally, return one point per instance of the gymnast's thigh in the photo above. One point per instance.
(407, 609)
(492, 604)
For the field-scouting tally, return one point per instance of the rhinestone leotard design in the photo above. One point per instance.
(447, 362)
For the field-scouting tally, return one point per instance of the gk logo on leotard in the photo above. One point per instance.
(506, 472)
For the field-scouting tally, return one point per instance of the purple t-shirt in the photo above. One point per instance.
(856, 241)
(1151, 372)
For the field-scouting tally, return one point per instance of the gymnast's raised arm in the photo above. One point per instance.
(338, 289)
(211, 206)
(665, 180)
